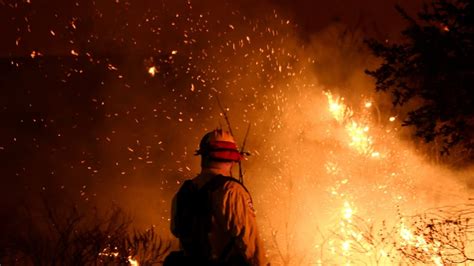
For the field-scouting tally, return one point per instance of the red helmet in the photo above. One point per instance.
(219, 145)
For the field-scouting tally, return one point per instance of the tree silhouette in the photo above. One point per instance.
(431, 73)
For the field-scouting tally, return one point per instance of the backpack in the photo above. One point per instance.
(193, 219)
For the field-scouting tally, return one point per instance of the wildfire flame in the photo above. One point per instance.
(357, 131)
(350, 236)
(115, 254)
(360, 139)
(337, 108)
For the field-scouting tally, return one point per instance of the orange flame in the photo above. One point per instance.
(357, 131)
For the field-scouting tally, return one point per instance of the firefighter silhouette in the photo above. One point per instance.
(212, 214)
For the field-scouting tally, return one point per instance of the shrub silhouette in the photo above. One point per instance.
(69, 236)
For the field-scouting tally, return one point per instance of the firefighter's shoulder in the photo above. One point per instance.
(233, 185)
(236, 191)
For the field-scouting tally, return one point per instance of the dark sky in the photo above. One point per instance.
(30, 22)
(378, 17)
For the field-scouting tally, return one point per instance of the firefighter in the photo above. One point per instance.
(212, 214)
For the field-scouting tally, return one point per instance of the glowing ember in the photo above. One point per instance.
(107, 253)
(115, 254)
(347, 211)
(132, 261)
(375, 154)
(152, 71)
(346, 245)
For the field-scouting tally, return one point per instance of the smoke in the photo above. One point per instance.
(139, 147)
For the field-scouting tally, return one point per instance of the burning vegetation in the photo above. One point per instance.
(106, 101)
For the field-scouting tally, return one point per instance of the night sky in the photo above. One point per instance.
(104, 102)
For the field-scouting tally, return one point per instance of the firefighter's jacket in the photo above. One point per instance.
(233, 219)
